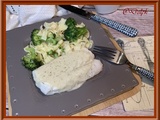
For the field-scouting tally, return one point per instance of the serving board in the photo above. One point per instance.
(27, 100)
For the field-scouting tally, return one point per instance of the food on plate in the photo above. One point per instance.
(59, 56)
(67, 72)
(53, 40)
(73, 32)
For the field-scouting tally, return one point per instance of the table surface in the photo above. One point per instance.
(145, 25)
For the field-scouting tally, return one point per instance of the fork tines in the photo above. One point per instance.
(104, 52)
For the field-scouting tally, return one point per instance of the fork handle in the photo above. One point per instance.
(144, 72)
(125, 29)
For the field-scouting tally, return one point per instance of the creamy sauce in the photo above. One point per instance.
(65, 73)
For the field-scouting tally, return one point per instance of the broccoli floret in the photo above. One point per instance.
(52, 54)
(72, 33)
(81, 31)
(31, 62)
(35, 32)
(36, 40)
(51, 35)
(70, 22)
(51, 38)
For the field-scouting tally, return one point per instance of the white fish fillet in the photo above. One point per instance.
(67, 72)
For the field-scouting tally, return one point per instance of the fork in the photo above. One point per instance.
(118, 57)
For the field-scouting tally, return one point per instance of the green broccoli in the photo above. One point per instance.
(81, 31)
(36, 40)
(31, 60)
(52, 54)
(51, 38)
(72, 33)
(35, 32)
(51, 35)
(70, 22)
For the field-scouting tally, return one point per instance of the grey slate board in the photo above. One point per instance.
(27, 99)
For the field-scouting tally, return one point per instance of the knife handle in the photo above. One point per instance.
(142, 71)
(127, 30)
(146, 73)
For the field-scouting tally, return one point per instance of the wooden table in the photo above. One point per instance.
(145, 25)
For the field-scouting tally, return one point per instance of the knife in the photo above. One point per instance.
(125, 29)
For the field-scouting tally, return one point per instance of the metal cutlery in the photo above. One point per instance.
(125, 29)
(120, 43)
(117, 57)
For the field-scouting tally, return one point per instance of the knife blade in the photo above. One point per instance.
(125, 29)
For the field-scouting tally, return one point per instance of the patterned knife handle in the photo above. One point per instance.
(146, 73)
(127, 30)
(142, 71)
